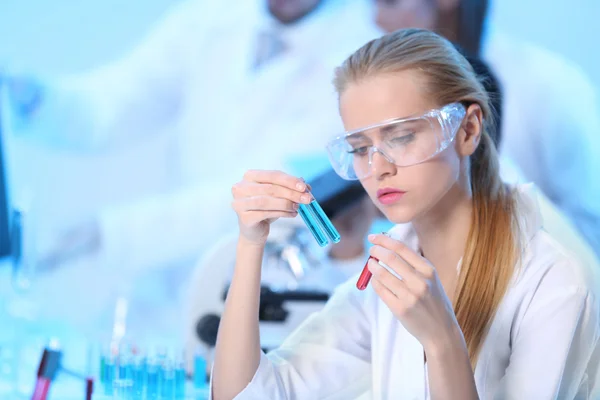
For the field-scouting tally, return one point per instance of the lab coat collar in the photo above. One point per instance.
(311, 30)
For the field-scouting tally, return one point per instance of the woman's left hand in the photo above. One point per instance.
(418, 300)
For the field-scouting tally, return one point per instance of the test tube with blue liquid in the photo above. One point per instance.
(166, 381)
(152, 373)
(108, 372)
(180, 382)
(318, 223)
(139, 375)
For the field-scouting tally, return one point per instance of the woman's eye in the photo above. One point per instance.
(404, 139)
(359, 150)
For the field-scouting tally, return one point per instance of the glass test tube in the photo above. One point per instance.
(152, 381)
(312, 224)
(166, 382)
(199, 371)
(123, 389)
(109, 373)
(139, 376)
(180, 382)
(325, 223)
(365, 275)
(318, 223)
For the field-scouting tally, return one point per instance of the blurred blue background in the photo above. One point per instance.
(65, 36)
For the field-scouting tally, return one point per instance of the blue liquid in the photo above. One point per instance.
(110, 372)
(166, 382)
(123, 389)
(152, 382)
(139, 377)
(199, 372)
(324, 221)
(179, 383)
(312, 223)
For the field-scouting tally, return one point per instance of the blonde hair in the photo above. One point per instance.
(491, 251)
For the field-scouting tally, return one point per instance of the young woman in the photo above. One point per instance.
(534, 81)
(474, 299)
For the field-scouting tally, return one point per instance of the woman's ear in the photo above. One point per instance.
(469, 134)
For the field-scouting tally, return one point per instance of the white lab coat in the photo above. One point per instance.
(542, 343)
(206, 285)
(551, 127)
(193, 78)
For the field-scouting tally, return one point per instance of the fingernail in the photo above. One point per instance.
(305, 198)
(371, 237)
(300, 186)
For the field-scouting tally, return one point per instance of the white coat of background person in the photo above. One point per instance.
(196, 77)
(560, 152)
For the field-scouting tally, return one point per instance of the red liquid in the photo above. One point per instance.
(365, 276)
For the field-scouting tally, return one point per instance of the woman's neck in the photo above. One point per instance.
(444, 230)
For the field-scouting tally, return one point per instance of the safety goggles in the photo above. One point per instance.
(402, 141)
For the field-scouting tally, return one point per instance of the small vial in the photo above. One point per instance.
(123, 389)
(324, 221)
(365, 275)
(180, 382)
(312, 224)
(109, 375)
(125, 368)
(199, 371)
(139, 376)
(166, 381)
(102, 373)
(152, 381)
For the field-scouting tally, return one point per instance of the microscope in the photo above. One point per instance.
(293, 265)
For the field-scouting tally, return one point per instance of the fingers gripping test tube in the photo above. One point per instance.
(318, 223)
(365, 275)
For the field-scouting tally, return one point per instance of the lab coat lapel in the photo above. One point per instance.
(409, 382)
(403, 375)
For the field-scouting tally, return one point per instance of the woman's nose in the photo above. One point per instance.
(381, 164)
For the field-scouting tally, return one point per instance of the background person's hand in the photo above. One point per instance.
(264, 196)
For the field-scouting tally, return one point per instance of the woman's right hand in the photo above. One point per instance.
(264, 196)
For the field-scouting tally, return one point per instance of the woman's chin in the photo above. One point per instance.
(398, 214)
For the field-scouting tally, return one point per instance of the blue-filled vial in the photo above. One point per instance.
(123, 389)
(139, 376)
(109, 374)
(199, 371)
(125, 368)
(152, 381)
(166, 382)
(324, 221)
(312, 223)
(180, 382)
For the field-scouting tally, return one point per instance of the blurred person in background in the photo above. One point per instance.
(224, 81)
(560, 152)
